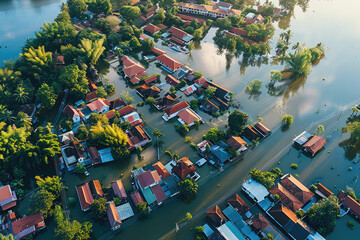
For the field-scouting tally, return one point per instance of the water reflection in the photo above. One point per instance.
(287, 89)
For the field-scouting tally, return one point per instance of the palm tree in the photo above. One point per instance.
(21, 96)
(92, 50)
(354, 110)
(23, 120)
(6, 115)
(158, 135)
(285, 36)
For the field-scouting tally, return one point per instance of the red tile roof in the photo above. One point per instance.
(177, 32)
(238, 31)
(158, 193)
(178, 41)
(136, 197)
(94, 154)
(262, 128)
(162, 26)
(176, 107)
(113, 215)
(239, 204)
(5, 193)
(190, 18)
(188, 116)
(172, 80)
(324, 190)
(91, 96)
(235, 142)
(200, 81)
(183, 168)
(71, 112)
(169, 62)
(216, 215)
(96, 189)
(84, 195)
(162, 171)
(126, 110)
(127, 61)
(352, 204)
(98, 104)
(133, 70)
(296, 188)
(147, 178)
(117, 103)
(134, 80)
(286, 197)
(151, 28)
(151, 79)
(158, 51)
(314, 144)
(259, 223)
(22, 224)
(118, 189)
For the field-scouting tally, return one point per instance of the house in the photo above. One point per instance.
(7, 198)
(125, 110)
(189, 117)
(72, 114)
(134, 70)
(127, 61)
(199, 82)
(302, 139)
(136, 197)
(203, 145)
(215, 216)
(74, 153)
(216, 10)
(258, 223)
(166, 101)
(117, 103)
(168, 63)
(145, 91)
(98, 106)
(255, 190)
(151, 29)
(161, 170)
(96, 189)
(251, 18)
(324, 191)
(161, 26)
(85, 196)
(350, 203)
(286, 197)
(180, 35)
(229, 231)
(314, 145)
(113, 216)
(282, 214)
(238, 31)
(172, 80)
(147, 179)
(27, 225)
(220, 154)
(262, 129)
(190, 18)
(252, 134)
(157, 51)
(184, 168)
(91, 96)
(118, 189)
(94, 154)
(149, 13)
(133, 118)
(125, 211)
(221, 92)
(151, 79)
(105, 155)
(209, 106)
(158, 193)
(239, 204)
(190, 90)
(173, 110)
(92, 85)
(237, 143)
(138, 136)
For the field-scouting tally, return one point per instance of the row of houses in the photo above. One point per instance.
(292, 196)
(215, 10)
(309, 143)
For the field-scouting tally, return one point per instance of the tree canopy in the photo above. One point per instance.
(237, 121)
(188, 187)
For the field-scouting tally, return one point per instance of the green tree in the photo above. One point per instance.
(37, 62)
(158, 134)
(6, 115)
(8, 237)
(77, 8)
(95, 118)
(127, 97)
(322, 215)
(354, 110)
(214, 135)
(63, 16)
(188, 187)
(275, 76)
(237, 121)
(80, 169)
(130, 13)
(183, 129)
(74, 79)
(51, 184)
(198, 34)
(159, 15)
(287, 120)
(223, 23)
(199, 233)
(46, 96)
(98, 208)
(142, 209)
(23, 120)
(134, 43)
(100, 6)
(194, 104)
(254, 87)
(21, 96)
(70, 230)
(266, 178)
(101, 93)
(103, 25)
(92, 49)
(319, 130)
(187, 217)
(210, 92)
(83, 132)
(41, 201)
(299, 63)
(146, 45)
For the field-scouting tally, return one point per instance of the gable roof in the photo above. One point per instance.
(94, 154)
(98, 104)
(259, 223)
(216, 215)
(314, 144)
(183, 168)
(262, 128)
(148, 91)
(113, 215)
(177, 40)
(283, 214)
(84, 195)
(296, 188)
(169, 62)
(133, 69)
(136, 197)
(286, 197)
(147, 178)
(238, 31)
(23, 224)
(235, 142)
(324, 190)
(71, 112)
(118, 189)
(127, 61)
(177, 32)
(91, 96)
(96, 189)
(172, 80)
(151, 28)
(5, 193)
(117, 103)
(158, 51)
(220, 91)
(352, 204)
(158, 193)
(151, 79)
(161, 170)
(188, 116)
(176, 107)
(200, 81)
(125, 110)
(239, 204)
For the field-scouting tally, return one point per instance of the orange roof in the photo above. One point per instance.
(134, 2)
(177, 32)
(158, 51)
(176, 107)
(151, 28)
(133, 69)
(125, 110)
(119, 189)
(324, 190)
(283, 214)
(188, 116)
(113, 215)
(169, 62)
(22, 224)
(235, 142)
(85, 197)
(162, 171)
(286, 197)
(296, 188)
(97, 188)
(183, 168)
(5, 193)
(352, 204)
(200, 81)
(172, 80)
(216, 215)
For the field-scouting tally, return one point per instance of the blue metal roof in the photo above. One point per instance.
(220, 153)
(235, 217)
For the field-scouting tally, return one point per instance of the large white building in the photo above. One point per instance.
(216, 10)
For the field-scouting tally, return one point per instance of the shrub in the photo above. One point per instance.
(350, 224)
(287, 120)
(294, 166)
(300, 214)
(117, 201)
(72, 201)
(313, 188)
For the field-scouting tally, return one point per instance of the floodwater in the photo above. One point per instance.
(324, 97)
(19, 20)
